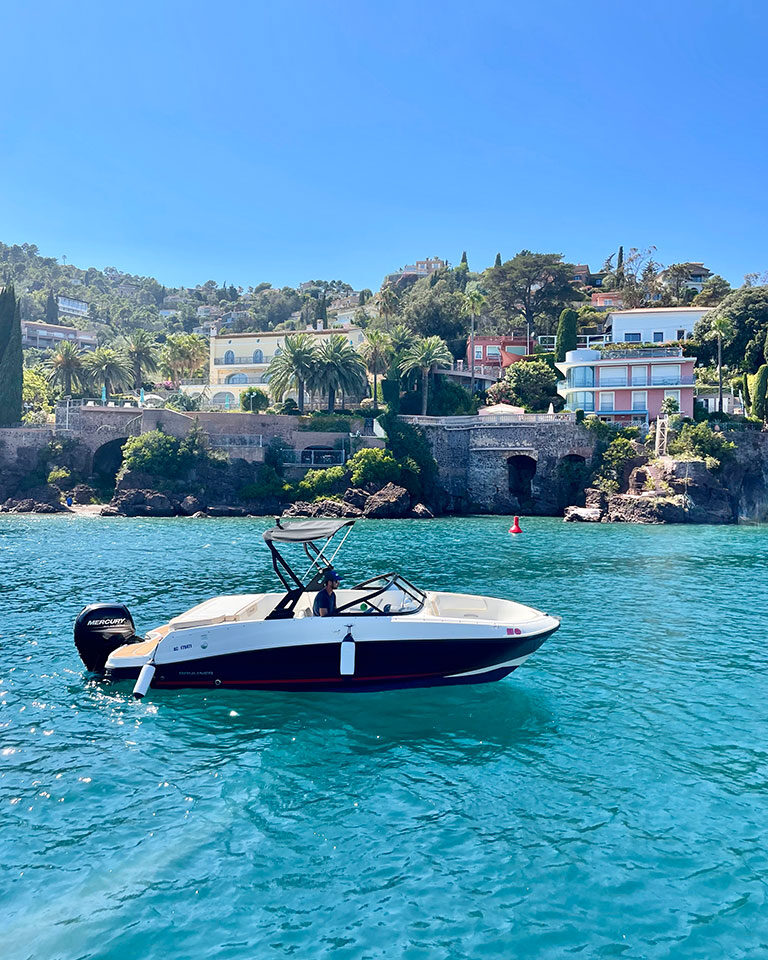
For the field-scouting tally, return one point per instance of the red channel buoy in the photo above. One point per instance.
(515, 528)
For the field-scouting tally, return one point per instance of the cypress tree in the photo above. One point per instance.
(745, 390)
(567, 334)
(497, 261)
(11, 359)
(620, 267)
(51, 309)
(464, 258)
(759, 406)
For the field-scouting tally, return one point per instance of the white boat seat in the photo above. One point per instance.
(218, 610)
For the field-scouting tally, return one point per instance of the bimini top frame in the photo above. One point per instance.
(307, 533)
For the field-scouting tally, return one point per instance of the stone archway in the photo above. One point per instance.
(521, 469)
(107, 460)
(571, 475)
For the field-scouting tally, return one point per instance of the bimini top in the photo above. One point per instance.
(304, 531)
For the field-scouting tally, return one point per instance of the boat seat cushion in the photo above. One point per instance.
(218, 610)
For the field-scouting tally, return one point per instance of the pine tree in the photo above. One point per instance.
(51, 309)
(567, 334)
(11, 359)
(497, 261)
(620, 268)
(464, 258)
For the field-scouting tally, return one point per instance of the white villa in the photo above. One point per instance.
(238, 360)
(654, 324)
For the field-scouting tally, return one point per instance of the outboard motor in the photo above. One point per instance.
(101, 628)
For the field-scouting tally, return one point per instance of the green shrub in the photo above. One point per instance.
(60, 476)
(390, 391)
(325, 423)
(153, 452)
(274, 453)
(183, 402)
(701, 441)
(375, 466)
(164, 455)
(759, 391)
(446, 399)
(320, 483)
(614, 459)
(579, 416)
(254, 400)
(410, 448)
(268, 485)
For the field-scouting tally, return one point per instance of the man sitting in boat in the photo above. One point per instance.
(325, 601)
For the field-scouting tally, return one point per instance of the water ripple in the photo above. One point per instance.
(609, 800)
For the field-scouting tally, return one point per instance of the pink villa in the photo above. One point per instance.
(498, 351)
(627, 386)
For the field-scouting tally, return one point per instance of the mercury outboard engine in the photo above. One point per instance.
(101, 628)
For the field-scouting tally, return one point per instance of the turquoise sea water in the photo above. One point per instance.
(610, 799)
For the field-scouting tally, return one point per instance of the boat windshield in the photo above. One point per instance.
(388, 594)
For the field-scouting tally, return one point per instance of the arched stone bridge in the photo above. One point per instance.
(531, 463)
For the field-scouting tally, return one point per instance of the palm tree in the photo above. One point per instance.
(388, 303)
(472, 303)
(66, 368)
(196, 352)
(183, 353)
(293, 367)
(400, 337)
(141, 349)
(377, 352)
(109, 368)
(722, 328)
(424, 355)
(338, 367)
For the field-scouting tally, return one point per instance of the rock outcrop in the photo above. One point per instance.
(390, 502)
(421, 512)
(323, 508)
(583, 514)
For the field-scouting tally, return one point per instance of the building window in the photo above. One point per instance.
(658, 336)
(632, 338)
(581, 401)
(581, 377)
(639, 376)
(493, 353)
(224, 399)
(667, 373)
(258, 356)
(681, 334)
(229, 357)
(478, 353)
(673, 395)
(639, 399)
(607, 401)
(237, 378)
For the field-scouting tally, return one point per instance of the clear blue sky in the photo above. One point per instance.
(285, 141)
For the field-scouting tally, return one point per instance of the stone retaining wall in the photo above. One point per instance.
(473, 460)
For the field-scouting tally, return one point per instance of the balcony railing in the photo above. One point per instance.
(627, 383)
(483, 371)
(627, 353)
(236, 440)
(240, 361)
(244, 378)
(314, 458)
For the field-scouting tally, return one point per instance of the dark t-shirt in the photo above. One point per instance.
(324, 601)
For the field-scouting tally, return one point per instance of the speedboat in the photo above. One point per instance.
(385, 633)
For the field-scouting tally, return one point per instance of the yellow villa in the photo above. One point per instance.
(238, 360)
